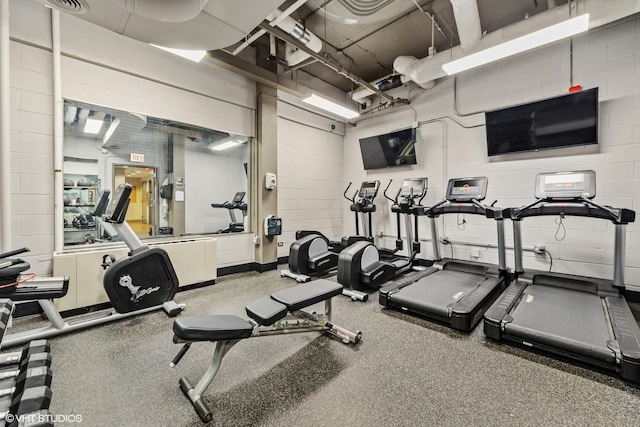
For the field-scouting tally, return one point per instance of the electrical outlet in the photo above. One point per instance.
(380, 234)
(280, 243)
(444, 240)
(539, 249)
(257, 240)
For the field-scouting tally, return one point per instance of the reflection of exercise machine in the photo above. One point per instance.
(313, 253)
(360, 266)
(453, 291)
(140, 282)
(280, 314)
(585, 319)
(236, 203)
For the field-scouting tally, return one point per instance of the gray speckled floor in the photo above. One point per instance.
(406, 371)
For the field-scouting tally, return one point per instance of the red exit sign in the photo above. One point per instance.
(136, 158)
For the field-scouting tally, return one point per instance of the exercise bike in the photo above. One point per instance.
(141, 282)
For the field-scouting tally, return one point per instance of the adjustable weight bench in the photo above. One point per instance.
(277, 314)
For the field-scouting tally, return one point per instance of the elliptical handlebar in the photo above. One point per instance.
(353, 199)
(384, 193)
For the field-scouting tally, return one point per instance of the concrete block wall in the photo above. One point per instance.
(105, 69)
(310, 184)
(607, 58)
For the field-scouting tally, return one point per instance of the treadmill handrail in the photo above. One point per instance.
(576, 207)
(473, 207)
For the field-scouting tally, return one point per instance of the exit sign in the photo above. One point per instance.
(136, 158)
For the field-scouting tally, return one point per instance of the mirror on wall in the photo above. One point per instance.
(186, 179)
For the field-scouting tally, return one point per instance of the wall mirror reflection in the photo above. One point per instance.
(186, 180)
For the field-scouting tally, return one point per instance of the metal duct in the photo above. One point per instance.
(467, 19)
(167, 10)
(295, 56)
(426, 70)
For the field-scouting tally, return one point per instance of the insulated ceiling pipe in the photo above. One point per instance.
(167, 10)
(467, 19)
(425, 71)
(295, 56)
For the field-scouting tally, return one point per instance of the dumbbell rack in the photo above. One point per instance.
(25, 380)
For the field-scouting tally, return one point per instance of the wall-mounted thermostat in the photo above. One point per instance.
(270, 181)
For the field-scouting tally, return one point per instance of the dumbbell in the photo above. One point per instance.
(32, 400)
(33, 347)
(33, 372)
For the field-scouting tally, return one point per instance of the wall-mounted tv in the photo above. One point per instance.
(551, 123)
(389, 150)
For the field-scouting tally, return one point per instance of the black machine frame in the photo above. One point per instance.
(453, 292)
(583, 319)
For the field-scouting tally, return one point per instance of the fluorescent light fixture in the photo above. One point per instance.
(538, 38)
(331, 106)
(94, 123)
(191, 55)
(227, 142)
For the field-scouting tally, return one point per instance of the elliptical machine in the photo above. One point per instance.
(313, 253)
(141, 282)
(360, 267)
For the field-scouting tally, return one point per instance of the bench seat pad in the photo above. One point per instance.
(212, 328)
(307, 294)
(266, 311)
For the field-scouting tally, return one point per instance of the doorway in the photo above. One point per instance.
(141, 214)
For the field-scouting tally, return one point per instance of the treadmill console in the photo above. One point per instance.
(566, 185)
(413, 188)
(467, 189)
(369, 190)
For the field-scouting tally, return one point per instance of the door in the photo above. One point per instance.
(141, 211)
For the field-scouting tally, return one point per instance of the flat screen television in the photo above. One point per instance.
(551, 123)
(389, 150)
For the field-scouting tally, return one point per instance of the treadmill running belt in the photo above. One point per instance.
(564, 319)
(434, 293)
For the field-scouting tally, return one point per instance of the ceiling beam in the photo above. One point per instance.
(268, 78)
(328, 61)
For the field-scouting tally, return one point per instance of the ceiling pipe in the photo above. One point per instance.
(425, 71)
(328, 61)
(167, 10)
(288, 11)
(467, 17)
(390, 81)
(293, 55)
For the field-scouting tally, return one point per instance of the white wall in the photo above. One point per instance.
(455, 146)
(107, 69)
(309, 174)
(213, 177)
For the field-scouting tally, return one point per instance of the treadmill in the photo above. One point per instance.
(453, 292)
(584, 319)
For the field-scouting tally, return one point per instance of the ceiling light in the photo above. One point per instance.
(536, 39)
(227, 142)
(191, 55)
(331, 106)
(94, 123)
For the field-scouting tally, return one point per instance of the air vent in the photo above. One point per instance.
(365, 7)
(70, 6)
